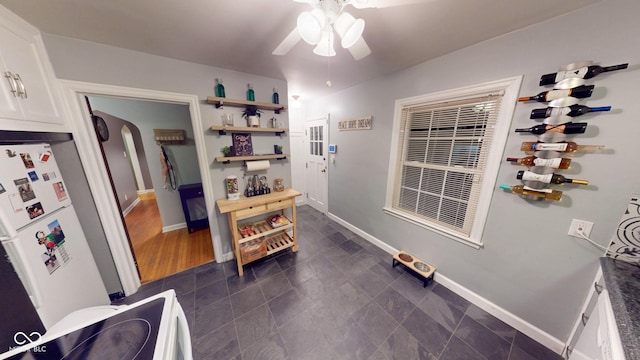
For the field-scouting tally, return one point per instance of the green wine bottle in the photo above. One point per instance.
(251, 95)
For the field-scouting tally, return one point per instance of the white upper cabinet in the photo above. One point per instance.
(27, 97)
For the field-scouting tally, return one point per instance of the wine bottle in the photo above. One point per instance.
(566, 128)
(219, 88)
(585, 72)
(565, 146)
(275, 98)
(548, 178)
(251, 95)
(573, 111)
(523, 190)
(556, 163)
(582, 91)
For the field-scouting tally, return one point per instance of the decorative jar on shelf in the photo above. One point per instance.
(232, 187)
(277, 185)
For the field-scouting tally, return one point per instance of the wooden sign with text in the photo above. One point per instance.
(363, 123)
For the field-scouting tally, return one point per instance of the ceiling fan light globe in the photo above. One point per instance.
(325, 46)
(310, 25)
(360, 50)
(349, 29)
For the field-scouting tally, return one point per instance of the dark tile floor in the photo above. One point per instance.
(338, 297)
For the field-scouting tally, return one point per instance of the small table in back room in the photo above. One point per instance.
(190, 196)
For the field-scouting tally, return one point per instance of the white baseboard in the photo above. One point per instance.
(148, 191)
(130, 207)
(166, 229)
(225, 257)
(514, 321)
(372, 239)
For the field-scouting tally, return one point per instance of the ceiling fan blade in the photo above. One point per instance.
(288, 43)
(360, 49)
(363, 4)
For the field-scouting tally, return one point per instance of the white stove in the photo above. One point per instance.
(153, 328)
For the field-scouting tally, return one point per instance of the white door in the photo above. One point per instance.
(316, 175)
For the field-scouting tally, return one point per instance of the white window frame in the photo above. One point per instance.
(510, 88)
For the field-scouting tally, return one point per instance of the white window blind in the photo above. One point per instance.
(444, 152)
(445, 149)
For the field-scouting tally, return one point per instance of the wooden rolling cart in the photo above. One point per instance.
(273, 238)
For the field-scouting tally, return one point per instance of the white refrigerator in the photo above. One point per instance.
(42, 235)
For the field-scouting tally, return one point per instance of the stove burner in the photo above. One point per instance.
(130, 334)
(123, 340)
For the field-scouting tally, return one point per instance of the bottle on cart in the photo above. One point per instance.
(572, 111)
(565, 146)
(556, 163)
(523, 190)
(548, 178)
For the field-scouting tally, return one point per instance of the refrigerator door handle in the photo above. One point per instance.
(7, 232)
(23, 273)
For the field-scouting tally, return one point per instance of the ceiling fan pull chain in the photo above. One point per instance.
(328, 67)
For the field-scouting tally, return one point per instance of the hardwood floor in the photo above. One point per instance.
(159, 255)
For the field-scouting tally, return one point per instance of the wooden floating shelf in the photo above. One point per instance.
(218, 102)
(228, 159)
(222, 130)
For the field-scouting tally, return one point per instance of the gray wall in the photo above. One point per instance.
(119, 166)
(146, 116)
(80, 193)
(96, 63)
(528, 266)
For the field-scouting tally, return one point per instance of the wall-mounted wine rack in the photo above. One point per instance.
(545, 156)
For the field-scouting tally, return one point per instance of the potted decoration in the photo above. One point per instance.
(277, 149)
(252, 114)
(227, 150)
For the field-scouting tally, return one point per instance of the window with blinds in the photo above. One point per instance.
(444, 147)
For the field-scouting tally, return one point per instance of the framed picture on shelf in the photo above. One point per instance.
(242, 144)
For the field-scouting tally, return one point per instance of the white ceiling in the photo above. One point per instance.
(241, 34)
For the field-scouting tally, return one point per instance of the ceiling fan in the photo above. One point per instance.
(328, 17)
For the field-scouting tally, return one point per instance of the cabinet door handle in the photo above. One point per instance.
(585, 318)
(22, 92)
(12, 82)
(597, 287)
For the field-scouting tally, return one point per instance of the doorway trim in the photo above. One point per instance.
(132, 156)
(98, 179)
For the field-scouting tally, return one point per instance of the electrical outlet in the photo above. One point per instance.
(580, 226)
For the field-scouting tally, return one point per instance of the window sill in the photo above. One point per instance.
(442, 231)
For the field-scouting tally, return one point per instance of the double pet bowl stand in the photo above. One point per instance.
(415, 266)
